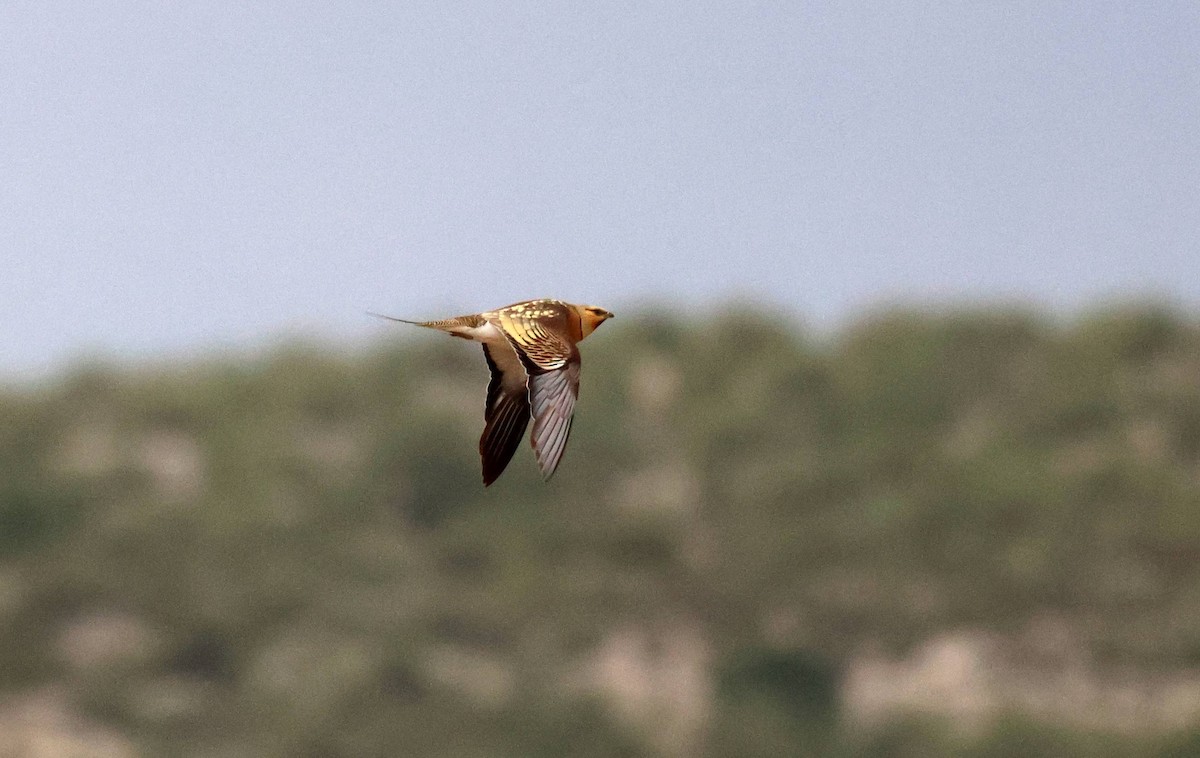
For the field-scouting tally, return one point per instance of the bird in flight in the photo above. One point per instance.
(531, 351)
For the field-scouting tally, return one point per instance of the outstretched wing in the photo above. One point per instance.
(506, 413)
(552, 396)
(552, 363)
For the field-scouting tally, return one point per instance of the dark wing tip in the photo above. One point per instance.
(501, 438)
(506, 416)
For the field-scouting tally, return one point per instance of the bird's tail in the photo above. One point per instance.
(402, 320)
(455, 327)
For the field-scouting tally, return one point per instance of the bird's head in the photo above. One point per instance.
(591, 317)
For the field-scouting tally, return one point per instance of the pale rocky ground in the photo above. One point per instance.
(656, 679)
(42, 724)
(972, 676)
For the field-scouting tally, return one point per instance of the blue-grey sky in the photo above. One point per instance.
(179, 176)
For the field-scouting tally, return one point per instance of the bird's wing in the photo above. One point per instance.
(552, 396)
(506, 413)
(531, 328)
(552, 362)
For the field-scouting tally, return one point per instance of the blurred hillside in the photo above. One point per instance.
(961, 534)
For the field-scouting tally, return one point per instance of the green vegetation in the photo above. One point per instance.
(753, 536)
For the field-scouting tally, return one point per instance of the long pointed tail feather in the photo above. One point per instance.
(455, 327)
(401, 320)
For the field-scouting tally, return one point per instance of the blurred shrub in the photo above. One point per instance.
(292, 554)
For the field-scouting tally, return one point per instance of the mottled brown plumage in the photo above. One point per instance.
(531, 352)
